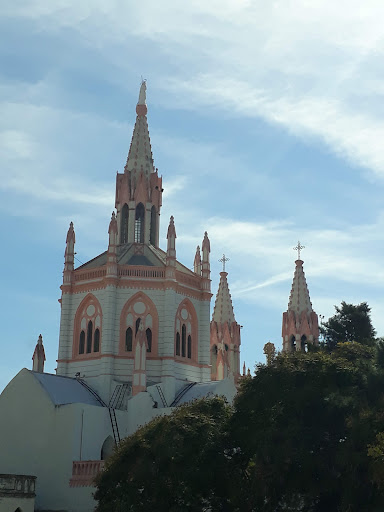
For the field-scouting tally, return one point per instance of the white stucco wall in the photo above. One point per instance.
(8, 504)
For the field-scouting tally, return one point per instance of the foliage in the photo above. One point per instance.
(174, 463)
(306, 433)
(350, 323)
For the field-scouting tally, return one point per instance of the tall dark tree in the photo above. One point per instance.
(350, 323)
(303, 425)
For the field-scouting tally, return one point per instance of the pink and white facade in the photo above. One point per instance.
(300, 328)
(135, 283)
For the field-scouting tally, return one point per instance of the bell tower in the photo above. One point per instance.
(300, 323)
(139, 188)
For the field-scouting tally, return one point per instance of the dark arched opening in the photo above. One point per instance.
(189, 347)
(124, 225)
(82, 342)
(89, 337)
(128, 340)
(304, 344)
(107, 448)
(139, 224)
(152, 235)
(183, 340)
(148, 332)
(96, 343)
(293, 343)
(177, 343)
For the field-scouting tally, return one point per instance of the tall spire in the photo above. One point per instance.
(223, 310)
(140, 152)
(139, 188)
(300, 323)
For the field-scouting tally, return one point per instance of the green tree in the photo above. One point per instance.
(303, 425)
(350, 323)
(174, 463)
(305, 434)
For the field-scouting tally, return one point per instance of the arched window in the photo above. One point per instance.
(183, 339)
(152, 235)
(186, 331)
(82, 342)
(128, 340)
(96, 343)
(304, 344)
(148, 332)
(107, 448)
(293, 343)
(213, 361)
(89, 337)
(139, 224)
(139, 312)
(124, 225)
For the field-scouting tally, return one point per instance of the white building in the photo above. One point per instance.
(135, 340)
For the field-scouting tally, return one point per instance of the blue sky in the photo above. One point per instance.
(266, 122)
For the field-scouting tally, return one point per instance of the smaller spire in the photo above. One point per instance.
(38, 357)
(69, 255)
(171, 233)
(299, 300)
(223, 310)
(206, 245)
(197, 261)
(244, 369)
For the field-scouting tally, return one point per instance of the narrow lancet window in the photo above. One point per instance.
(89, 337)
(152, 236)
(183, 340)
(96, 343)
(128, 340)
(139, 224)
(178, 344)
(148, 332)
(189, 347)
(124, 225)
(82, 342)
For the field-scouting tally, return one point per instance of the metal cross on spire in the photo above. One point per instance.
(223, 260)
(298, 249)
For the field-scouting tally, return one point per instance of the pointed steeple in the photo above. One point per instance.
(225, 335)
(112, 247)
(140, 152)
(139, 188)
(299, 300)
(223, 310)
(38, 357)
(300, 322)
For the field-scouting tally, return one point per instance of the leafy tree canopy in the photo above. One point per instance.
(305, 434)
(350, 323)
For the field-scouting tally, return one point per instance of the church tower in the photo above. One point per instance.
(300, 323)
(134, 315)
(225, 334)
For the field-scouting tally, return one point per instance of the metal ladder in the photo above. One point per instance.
(117, 398)
(182, 393)
(162, 397)
(112, 414)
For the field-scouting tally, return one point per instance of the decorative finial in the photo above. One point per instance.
(270, 352)
(298, 249)
(223, 260)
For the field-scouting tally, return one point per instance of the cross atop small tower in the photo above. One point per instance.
(298, 249)
(223, 260)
